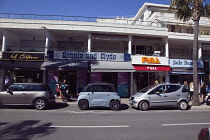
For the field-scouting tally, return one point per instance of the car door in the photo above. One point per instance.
(173, 94)
(16, 95)
(99, 95)
(158, 96)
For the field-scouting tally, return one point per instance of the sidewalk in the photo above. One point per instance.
(73, 101)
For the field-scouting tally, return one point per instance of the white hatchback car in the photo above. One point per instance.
(161, 95)
(100, 95)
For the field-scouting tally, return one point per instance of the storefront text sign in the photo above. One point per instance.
(99, 56)
(181, 63)
(184, 63)
(151, 60)
(23, 56)
(152, 68)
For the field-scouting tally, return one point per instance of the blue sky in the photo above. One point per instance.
(87, 8)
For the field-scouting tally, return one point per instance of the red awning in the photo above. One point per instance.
(152, 68)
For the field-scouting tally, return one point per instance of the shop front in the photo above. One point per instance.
(182, 70)
(81, 68)
(18, 67)
(149, 70)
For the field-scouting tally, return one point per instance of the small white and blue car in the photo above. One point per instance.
(99, 95)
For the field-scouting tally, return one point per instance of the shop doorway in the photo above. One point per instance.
(109, 77)
(71, 77)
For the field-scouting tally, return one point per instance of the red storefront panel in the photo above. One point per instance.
(153, 68)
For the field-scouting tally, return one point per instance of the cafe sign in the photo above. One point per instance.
(23, 56)
(149, 60)
(99, 56)
(184, 63)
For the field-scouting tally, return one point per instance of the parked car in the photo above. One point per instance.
(99, 94)
(36, 94)
(208, 99)
(160, 95)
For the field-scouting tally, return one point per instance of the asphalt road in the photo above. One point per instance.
(68, 122)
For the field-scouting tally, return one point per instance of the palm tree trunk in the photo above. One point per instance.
(195, 101)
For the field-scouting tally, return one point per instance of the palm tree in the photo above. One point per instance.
(186, 10)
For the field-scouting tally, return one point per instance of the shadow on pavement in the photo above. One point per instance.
(122, 107)
(58, 106)
(25, 130)
(16, 107)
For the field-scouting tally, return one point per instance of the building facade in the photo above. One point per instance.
(131, 53)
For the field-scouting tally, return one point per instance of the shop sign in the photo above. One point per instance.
(152, 68)
(23, 56)
(184, 63)
(149, 60)
(99, 56)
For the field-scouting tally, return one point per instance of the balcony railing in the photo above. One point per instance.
(113, 20)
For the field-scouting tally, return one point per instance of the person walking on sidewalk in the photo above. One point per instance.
(203, 91)
(64, 89)
(191, 90)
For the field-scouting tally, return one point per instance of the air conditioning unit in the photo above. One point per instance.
(156, 53)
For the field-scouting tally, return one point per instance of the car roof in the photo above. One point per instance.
(168, 84)
(31, 83)
(100, 84)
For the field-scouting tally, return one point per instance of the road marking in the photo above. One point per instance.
(119, 126)
(181, 124)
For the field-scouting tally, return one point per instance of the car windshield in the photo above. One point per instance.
(147, 88)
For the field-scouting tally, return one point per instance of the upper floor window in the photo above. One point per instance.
(142, 50)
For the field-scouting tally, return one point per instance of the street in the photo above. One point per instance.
(66, 121)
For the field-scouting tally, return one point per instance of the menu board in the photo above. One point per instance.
(123, 84)
(96, 77)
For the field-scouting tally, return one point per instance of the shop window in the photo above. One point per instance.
(143, 50)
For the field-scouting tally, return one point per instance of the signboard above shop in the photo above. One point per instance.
(23, 56)
(99, 56)
(184, 63)
(149, 60)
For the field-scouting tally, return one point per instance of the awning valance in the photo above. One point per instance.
(185, 71)
(64, 65)
(152, 68)
(20, 64)
(110, 66)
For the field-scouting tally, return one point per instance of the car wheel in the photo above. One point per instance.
(83, 104)
(40, 104)
(144, 106)
(182, 105)
(114, 105)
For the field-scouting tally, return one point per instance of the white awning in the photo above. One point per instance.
(110, 66)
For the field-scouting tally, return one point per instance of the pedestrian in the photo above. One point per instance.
(186, 87)
(64, 89)
(156, 82)
(191, 90)
(203, 91)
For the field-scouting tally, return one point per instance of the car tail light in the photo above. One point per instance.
(204, 134)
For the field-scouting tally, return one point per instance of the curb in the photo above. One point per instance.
(126, 101)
